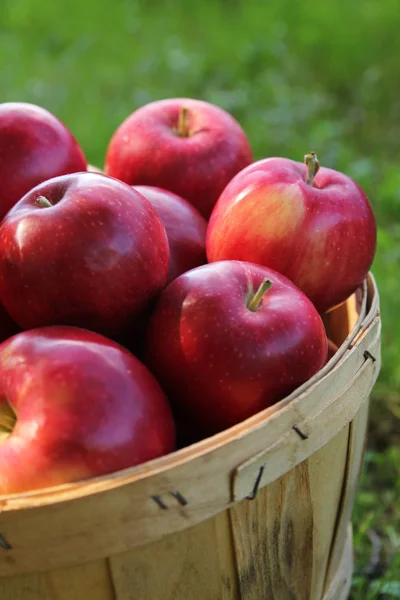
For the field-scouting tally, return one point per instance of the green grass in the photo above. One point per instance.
(298, 76)
(377, 531)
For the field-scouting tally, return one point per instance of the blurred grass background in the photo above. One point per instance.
(298, 76)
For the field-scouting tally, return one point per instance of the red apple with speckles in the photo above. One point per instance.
(34, 146)
(85, 250)
(224, 346)
(75, 405)
(314, 225)
(185, 227)
(186, 146)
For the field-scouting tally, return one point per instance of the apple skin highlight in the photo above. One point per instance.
(83, 250)
(221, 358)
(84, 407)
(321, 235)
(34, 146)
(190, 147)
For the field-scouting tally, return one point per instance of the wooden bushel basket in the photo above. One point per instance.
(258, 512)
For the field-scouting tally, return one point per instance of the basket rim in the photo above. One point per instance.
(368, 310)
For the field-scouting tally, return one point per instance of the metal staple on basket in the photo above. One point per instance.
(4, 544)
(177, 495)
(303, 436)
(256, 484)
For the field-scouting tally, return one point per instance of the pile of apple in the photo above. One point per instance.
(166, 299)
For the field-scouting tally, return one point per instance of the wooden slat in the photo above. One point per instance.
(227, 562)
(90, 581)
(23, 587)
(326, 471)
(339, 587)
(282, 538)
(195, 564)
(357, 441)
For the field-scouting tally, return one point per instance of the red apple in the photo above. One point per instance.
(185, 227)
(224, 347)
(74, 405)
(190, 147)
(34, 146)
(84, 250)
(313, 225)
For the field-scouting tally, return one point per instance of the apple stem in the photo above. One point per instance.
(8, 418)
(254, 302)
(183, 129)
(43, 202)
(6, 427)
(313, 165)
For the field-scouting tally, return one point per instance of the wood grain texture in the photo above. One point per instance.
(200, 572)
(227, 560)
(282, 538)
(357, 443)
(195, 564)
(90, 581)
(339, 587)
(111, 515)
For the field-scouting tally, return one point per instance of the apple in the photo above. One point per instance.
(85, 250)
(186, 146)
(314, 225)
(34, 146)
(224, 346)
(75, 405)
(185, 227)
